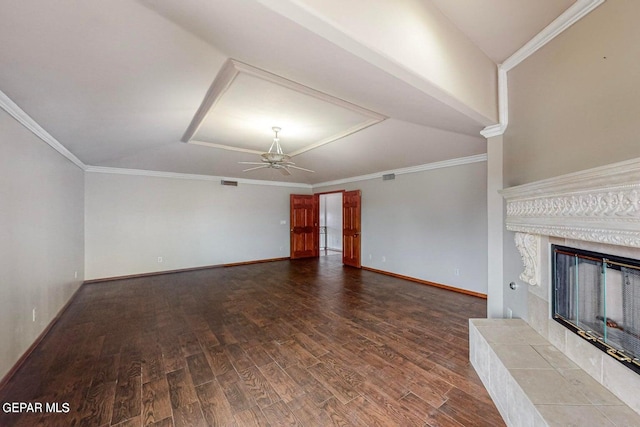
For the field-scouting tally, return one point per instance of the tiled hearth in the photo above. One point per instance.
(619, 379)
(534, 384)
(595, 210)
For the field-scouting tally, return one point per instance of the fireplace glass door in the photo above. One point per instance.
(597, 296)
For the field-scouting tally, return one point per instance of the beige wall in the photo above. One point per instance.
(575, 103)
(41, 237)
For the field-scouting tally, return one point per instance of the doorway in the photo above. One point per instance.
(331, 224)
(306, 237)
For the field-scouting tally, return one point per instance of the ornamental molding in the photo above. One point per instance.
(609, 237)
(618, 205)
(598, 205)
(529, 247)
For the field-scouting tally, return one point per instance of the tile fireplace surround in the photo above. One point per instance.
(596, 210)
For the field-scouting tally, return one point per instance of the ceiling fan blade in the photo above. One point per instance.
(284, 171)
(302, 169)
(258, 167)
(251, 163)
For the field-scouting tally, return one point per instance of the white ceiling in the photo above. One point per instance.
(118, 83)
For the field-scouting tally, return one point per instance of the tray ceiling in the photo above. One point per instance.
(244, 103)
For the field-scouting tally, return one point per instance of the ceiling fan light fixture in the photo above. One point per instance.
(275, 158)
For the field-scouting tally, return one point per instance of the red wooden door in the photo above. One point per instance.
(305, 232)
(351, 201)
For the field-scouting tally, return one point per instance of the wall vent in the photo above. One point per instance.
(231, 183)
(389, 177)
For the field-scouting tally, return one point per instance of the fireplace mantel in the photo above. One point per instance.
(596, 210)
(597, 205)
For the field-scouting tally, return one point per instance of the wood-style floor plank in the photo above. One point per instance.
(279, 414)
(214, 404)
(156, 401)
(239, 399)
(258, 387)
(181, 390)
(251, 417)
(127, 403)
(301, 343)
(199, 369)
(97, 404)
(282, 383)
(189, 416)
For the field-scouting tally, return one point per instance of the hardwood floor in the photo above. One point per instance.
(304, 343)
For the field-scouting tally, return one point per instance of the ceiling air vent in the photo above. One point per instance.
(389, 177)
(231, 183)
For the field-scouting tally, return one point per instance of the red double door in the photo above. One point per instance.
(305, 231)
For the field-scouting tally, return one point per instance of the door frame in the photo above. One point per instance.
(316, 215)
(341, 225)
(359, 263)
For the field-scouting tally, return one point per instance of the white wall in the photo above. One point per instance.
(427, 224)
(132, 220)
(41, 236)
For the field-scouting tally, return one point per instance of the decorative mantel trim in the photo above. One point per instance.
(598, 205)
(529, 247)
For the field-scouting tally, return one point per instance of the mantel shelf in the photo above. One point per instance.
(598, 205)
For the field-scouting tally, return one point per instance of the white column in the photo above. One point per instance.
(495, 218)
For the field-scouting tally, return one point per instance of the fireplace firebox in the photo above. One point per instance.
(597, 296)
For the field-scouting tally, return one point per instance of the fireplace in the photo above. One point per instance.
(597, 296)
(589, 221)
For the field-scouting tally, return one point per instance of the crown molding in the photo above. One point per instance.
(503, 107)
(186, 176)
(25, 120)
(413, 169)
(493, 130)
(573, 14)
(176, 175)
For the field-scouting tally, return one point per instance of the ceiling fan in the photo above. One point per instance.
(275, 158)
